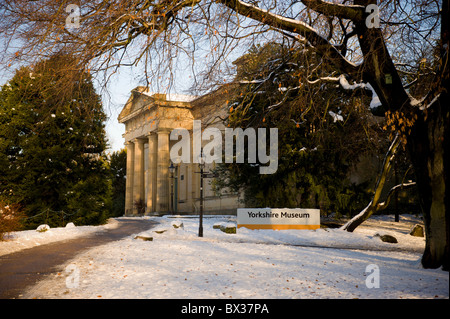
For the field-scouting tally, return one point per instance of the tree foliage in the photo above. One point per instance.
(51, 144)
(118, 167)
(323, 132)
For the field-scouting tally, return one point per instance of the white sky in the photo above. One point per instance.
(119, 91)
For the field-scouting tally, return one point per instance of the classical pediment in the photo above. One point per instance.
(137, 101)
(141, 99)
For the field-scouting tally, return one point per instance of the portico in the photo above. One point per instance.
(150, 187)
(149, 192)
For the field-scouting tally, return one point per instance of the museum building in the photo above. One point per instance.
(154, 184)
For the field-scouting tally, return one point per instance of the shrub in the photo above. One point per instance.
(10, 219)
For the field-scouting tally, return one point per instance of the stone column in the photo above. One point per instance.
(129, 179)
(139, 177)
(151, 172)
(162, 174)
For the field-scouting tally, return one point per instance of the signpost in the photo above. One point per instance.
(203, 175)
(278, 218)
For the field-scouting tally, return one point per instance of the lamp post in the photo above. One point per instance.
(171, 170)
(201, 164)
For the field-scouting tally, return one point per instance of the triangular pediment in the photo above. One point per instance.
(141, 99)
(136, 102)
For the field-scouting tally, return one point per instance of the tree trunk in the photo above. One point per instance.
(428, 143)
(429, 146)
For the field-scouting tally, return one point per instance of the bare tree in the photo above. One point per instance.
(398, 47)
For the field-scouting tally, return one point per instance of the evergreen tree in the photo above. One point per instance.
(118, 166)
(52, 140)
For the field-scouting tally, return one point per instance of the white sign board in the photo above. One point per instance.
(278, 218)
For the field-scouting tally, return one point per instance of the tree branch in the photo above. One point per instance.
(392, 191)
(372, 207)
(323, 47)
(351, 12)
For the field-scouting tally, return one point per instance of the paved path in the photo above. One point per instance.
(21, 269)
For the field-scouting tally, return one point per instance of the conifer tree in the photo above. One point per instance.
(52, 140)
(118, 167)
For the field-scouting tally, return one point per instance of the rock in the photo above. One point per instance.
(387, 238)
(177, 224)
(144, 238)
(417, 231)
(218, 225)
(160, 231)
(43, 228)
(70, 225)
(228, 228)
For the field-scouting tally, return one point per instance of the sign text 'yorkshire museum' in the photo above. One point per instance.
(278, 218)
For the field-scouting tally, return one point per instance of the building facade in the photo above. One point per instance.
(154, 184)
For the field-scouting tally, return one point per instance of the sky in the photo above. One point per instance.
(119, 91)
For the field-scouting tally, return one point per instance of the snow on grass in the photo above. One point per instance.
(249, 264)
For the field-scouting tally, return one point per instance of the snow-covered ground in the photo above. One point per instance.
(17, 241)
(249, 264)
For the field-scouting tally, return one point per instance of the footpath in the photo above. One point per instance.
(24, 268)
